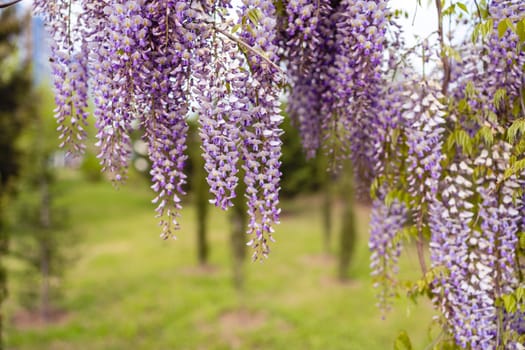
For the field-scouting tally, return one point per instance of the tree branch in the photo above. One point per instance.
(8, 3)
(444, 59)
(241, 42)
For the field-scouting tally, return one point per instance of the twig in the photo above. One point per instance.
(478, 9)
(236, 40)
(444, 60)
(420, 244)
(248, 47)
(9, 3)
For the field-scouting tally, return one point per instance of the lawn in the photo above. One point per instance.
(131, 290)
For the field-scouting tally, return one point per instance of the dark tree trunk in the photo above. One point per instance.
(4, 248)
(239, 222)
(348, 228)
(45, 251)
(326, 180)
(201, 207)
(201, 195)
(327, 216)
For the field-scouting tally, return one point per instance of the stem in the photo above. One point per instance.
(248, 47)
(9, 3)
(478, 9)
(420, 245)
(444, 60)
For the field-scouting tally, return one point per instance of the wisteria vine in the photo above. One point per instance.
(443, 153)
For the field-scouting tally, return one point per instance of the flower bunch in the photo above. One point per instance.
(69, 67)
(343, 70)
(145, 62)
(386, 222)
(476, 245)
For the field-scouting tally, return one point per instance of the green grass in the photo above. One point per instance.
(131, 290)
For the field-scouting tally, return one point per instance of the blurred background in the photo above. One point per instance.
(85, 269)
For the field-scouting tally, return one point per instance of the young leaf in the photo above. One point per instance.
(403, 342)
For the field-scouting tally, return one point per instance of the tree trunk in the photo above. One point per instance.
(45, 251)
(44, 287)
(239, 222)
(4, 248)
(348, 227)
(201, 195)
(327, 180)
(327, 216)
(201, 203)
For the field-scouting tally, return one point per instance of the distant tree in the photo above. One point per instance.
(299, 175)
(200, 191)
(15, 83)
(239, 225)
(348, 235)
(43, 238)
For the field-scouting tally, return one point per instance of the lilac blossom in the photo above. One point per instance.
(424, 126)
(120, 30)
(385, 224)
(222, 101)
(476, 245)
(260, 128)
(69, 68)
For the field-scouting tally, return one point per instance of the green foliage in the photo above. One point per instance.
(403, 342)
(42, 238)
(515, 301)
(15, 80)
(299, 175)
(91, 168)
(516, 130)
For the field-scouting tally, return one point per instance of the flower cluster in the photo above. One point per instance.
(69, 67)
(424, 126)
(476, 246)
(449, 162)
(260, 130)
(145, 62)
(386, 223)
(343, 70)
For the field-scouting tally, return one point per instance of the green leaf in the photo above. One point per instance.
(487, 28)
(462, 6)
(255, 16)
(520, 294)
(464, 141)
(509, 301)
(390, 197)
(470, 90)
(486, 135)
(499, 97)
(518, 126)
(520, 30)
(403, 342)
(463, 105)
(522, 240)
(450, 142)
(449, 51)
(515, 168)
(502, 27)
(449, 10)
(236, 28)
(374, 187)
